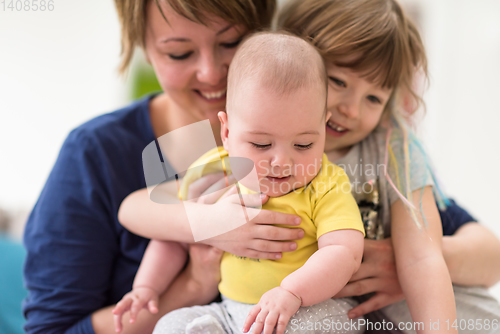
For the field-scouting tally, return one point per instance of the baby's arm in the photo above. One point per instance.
(421, 268)
(161, 263)
(321, 277)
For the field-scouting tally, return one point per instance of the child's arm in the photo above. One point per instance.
(421, 268)
(160, 264)
(321, 277)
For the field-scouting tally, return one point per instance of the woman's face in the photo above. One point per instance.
(191, 60)
(356, 106)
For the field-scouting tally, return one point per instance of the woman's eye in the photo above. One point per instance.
(303, 147)
(180, 57)
(374, 99)
(338, 82)
(232, 45)
(260, 146)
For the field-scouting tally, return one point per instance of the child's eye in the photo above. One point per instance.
(374, 99)
(303, 147)
(233, 44)
(180, 57)
(338, 82)
(260, 146)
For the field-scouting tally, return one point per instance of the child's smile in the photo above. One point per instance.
(356, 107)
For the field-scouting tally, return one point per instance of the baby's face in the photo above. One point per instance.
(283, 135)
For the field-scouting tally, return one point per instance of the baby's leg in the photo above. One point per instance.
(211, 318)
(477, 312)
(329, 316)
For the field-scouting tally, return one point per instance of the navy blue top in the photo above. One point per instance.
(79, 257)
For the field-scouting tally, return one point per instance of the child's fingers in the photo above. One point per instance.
(137, 305)
(250, 319)
(153, 305)
(270, 322)
(122, 306)
(282, 323)
(259, 322)
(117, 318)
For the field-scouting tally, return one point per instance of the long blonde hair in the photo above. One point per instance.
(378, 40)
(385, 43)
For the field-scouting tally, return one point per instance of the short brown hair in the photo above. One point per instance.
(387, 43)
(253, 14)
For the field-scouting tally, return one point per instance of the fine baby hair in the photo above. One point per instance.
(281, 63)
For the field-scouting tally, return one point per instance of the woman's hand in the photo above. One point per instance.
(203, 269)
(257, 238)
(377, 274)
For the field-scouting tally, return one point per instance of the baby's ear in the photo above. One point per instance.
(224, 128)
(328, 115)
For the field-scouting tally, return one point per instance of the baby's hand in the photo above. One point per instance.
(276, 306)
(137, 299)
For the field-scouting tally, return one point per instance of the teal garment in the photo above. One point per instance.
(12, 290)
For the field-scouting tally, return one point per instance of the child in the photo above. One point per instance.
(278, 79)
(371, 51)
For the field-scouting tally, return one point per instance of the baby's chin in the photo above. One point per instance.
(279, 188)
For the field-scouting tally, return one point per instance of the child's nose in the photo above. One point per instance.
(349, 108)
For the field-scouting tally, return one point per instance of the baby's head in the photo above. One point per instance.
(276, 110)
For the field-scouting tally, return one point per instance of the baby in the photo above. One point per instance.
(275, 116)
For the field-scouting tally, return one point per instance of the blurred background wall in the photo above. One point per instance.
(59, 68)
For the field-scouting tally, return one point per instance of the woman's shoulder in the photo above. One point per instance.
(123, 126)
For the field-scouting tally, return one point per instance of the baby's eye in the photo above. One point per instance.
(180, 57)
(303, 147)
(232, 45)
(261, 146)
(338, 82)
(374, 99)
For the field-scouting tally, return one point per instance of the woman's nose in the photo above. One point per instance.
(211, 69)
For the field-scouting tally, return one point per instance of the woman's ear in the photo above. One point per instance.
(224, 128)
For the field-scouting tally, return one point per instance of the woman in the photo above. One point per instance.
(80, 260)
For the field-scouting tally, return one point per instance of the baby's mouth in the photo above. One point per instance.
(278, 178)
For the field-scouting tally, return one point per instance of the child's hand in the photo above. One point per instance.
(276, 306)
(135, 300)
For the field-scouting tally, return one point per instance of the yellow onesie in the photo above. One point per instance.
(324, 205)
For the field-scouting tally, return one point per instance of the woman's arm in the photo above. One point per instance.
(472, 255)
(421, 268)
(196, 285)
(256, 238)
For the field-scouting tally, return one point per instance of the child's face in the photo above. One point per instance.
(356, 106)
(283, 135)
